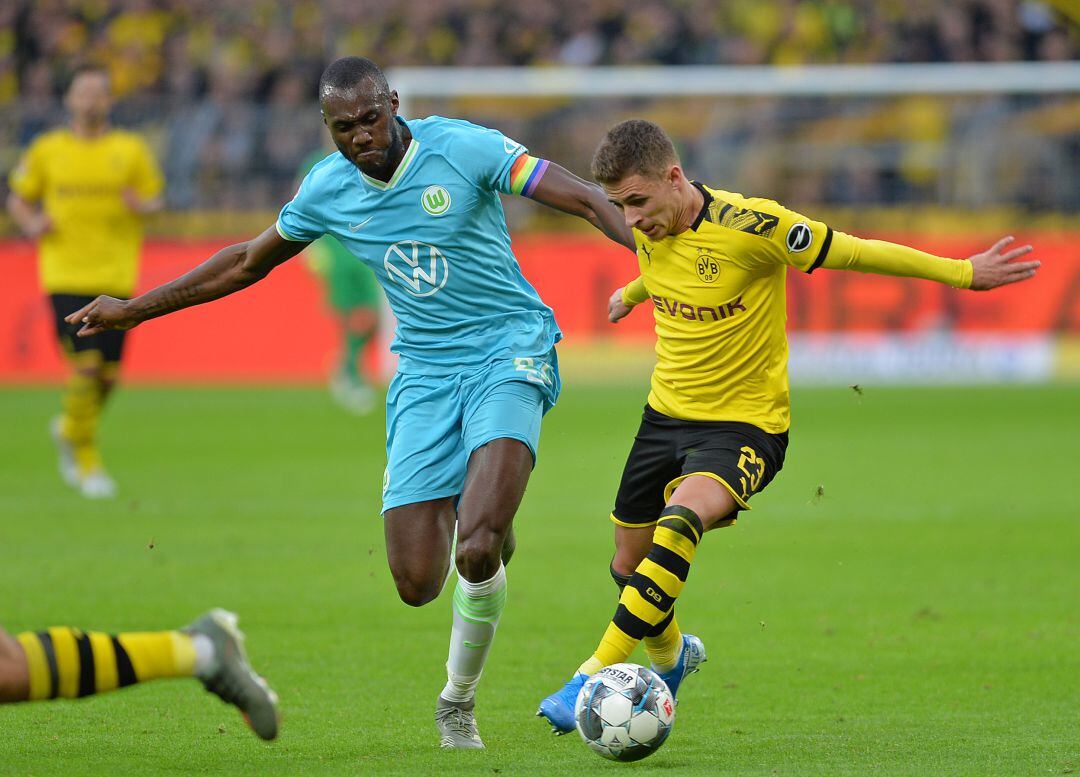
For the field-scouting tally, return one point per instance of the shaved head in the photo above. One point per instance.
(349, 74)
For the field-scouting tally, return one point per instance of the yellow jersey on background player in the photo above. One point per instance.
(718, 293)
(85, 186)
(81, 192)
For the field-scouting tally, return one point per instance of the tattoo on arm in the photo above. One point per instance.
(220, 275)
(169, 300)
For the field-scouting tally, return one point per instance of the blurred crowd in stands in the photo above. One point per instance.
(225, 88)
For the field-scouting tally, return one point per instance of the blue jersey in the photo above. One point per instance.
(436, 237)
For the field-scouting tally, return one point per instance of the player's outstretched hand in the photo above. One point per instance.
(995, 266)
(616, 308)
(101, 314)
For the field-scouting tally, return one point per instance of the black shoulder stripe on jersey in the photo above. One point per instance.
(704, 206)
(824, 252)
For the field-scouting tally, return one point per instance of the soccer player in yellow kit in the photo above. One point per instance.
(82, 192)
(715, 429)
(67, 663)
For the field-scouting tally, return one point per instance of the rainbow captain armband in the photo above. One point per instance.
(526, 173)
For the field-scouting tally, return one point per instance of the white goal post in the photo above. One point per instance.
(810, 80)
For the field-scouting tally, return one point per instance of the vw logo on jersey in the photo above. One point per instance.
(799, 237)
(436, 200)
(419, 267)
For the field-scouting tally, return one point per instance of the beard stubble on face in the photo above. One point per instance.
(383, 161)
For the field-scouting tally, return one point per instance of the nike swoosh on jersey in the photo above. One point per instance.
(358, 227)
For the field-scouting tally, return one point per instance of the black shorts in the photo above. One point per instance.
(110, 342)
(666, 451)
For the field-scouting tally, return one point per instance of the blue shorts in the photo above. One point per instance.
(433, 424)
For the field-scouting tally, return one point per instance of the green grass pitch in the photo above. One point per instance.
(920, 615)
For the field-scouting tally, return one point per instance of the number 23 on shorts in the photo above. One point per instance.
(753, 469)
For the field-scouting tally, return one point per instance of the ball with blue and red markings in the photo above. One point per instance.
(624, 712)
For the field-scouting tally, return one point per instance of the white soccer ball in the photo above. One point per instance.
(624, 712)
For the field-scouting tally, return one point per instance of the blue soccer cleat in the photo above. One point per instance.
(558, 708)
(691, 658)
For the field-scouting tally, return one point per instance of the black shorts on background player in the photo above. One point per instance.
(109, 342)
(667, 449)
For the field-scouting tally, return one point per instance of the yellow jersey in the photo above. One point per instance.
(93, 246)
(718, 296)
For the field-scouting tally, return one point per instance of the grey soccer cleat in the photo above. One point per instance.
(457, 726)
(231, 677)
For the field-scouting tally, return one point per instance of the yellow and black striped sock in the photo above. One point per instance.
(68, 663)
(664, 643)
(82, 402)
(649, 597)
(664, 640)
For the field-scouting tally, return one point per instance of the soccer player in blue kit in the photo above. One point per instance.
(418, 202)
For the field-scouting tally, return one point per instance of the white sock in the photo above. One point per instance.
(477, 607)
(204, 654)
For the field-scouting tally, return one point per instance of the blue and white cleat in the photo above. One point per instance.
(690, 660)
(558, 708)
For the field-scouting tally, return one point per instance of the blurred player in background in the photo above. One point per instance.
(81, 191)
(715, 428)
(418, 202)
(67, 663)
(353, 294)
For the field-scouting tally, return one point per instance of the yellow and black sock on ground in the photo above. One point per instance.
(648, 599)
(67, 663)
